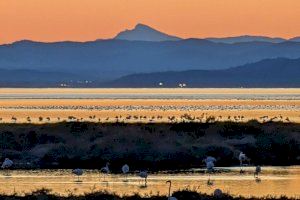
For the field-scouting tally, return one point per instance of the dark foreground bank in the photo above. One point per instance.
(148, 146)
(45, 194)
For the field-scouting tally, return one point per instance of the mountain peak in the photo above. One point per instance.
(142, 32)
(142, 26)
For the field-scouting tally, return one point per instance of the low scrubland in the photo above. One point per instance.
(155, 147)
(44, 194)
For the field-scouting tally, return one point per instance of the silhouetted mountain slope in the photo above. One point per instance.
(295, 39)
(278, 72)
(33, 76)
(143, 32)
(109, 59)
(246, 38)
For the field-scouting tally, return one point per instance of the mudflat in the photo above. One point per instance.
(144, 105)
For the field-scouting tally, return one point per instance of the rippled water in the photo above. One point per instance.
(275, 181)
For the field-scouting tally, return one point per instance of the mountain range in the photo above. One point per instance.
(279, 72)
(137, 51)
(143, 32)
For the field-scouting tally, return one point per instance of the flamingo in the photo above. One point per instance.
(242, 157)
(144, 175)
(125, 170)
(256, 173)
(78, 172)
(169, 195)
(209, 169)
(105, 169)
(209, 161)
(7, 164)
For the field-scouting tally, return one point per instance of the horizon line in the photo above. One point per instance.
(113, 38)
(143, 24)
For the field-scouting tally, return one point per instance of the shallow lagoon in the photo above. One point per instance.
(275, 181)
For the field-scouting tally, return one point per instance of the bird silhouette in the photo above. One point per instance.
(242, 157)
(78, 172)
(6, 165)
(144, 175)
(169, 194)
(125, 170)
(209, 161)
(256, 173)
(105, 170)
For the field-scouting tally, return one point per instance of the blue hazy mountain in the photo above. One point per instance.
(19, 76)
(109, 59)
(104, 60)
(280, 72)
(143, 32)
(246, 38)
(295, 39)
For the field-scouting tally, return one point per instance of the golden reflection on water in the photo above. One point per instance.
(275, 181)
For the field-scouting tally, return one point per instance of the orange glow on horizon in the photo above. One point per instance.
(83, 20)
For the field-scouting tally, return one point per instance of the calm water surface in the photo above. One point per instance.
(151, 93)
(275, 181)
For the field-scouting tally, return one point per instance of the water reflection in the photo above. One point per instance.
(274, 181)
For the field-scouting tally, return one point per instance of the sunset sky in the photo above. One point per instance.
(82, 20)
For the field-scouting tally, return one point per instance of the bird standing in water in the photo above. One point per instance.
(6, 165)
(125, 170)
(78, 172)
(242, 157)
(105, 170)
(169, 194)
(144, 175)
(256, 173)
(210, 164)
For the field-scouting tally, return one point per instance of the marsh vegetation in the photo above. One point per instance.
(152, 146)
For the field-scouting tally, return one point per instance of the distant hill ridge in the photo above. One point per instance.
(143, 32)
(141, 50)
(105, 60)
(280, 72)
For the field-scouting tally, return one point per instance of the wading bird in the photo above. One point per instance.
(256, 173)
(209, 159)
(242, 157)
(125, 170)
(105, 170)
(210, 164)
(144, 175)
(78, 172)
(169, 195)
(7, 164)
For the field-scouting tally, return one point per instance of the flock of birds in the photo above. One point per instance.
(209, 161)
(157, 107)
